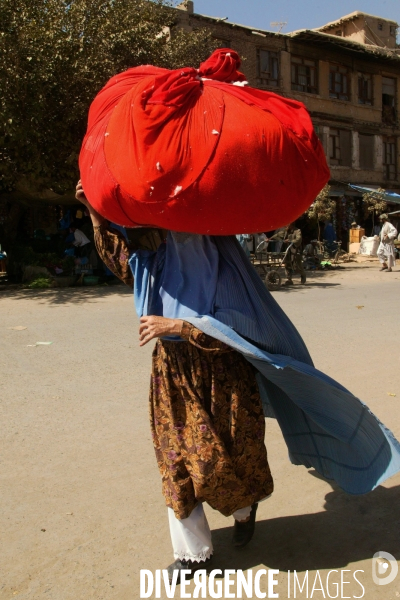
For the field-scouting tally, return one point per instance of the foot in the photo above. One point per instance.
(389, 270)
(383, 268)
(288, 282)
(244, 530)
(186, 565)
(303, 279)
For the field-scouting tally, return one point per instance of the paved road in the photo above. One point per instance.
(82, 509)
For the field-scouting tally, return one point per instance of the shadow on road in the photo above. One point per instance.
(358, 266)
(57, 296)
(298, 287)
(351, 529)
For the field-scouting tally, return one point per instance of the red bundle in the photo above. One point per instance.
(198, 151)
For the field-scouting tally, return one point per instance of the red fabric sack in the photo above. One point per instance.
(196, 150)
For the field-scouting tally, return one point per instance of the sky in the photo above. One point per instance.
(299, 14)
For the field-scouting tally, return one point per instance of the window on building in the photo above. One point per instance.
(389, 158)
(388, 100)
(339, 82)
(393, 30)
(365, 88)
(268, 68)
(380, 26)
(366, 151)
(340, 147)
(304, 75)
(339, 32)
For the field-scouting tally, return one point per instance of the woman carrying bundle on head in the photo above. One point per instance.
(192, 150)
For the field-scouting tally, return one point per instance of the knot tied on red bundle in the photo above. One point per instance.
(176, 87)
(222, 65)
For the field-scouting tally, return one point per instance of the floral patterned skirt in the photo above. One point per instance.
(208, 426)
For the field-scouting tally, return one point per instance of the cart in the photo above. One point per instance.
(267, 265)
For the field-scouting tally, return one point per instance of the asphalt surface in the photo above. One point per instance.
(81, 504)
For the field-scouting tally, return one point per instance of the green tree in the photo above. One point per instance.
(322, 208)
(54, 57)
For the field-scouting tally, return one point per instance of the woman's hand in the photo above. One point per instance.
(97, 219)
(152, 327)
(80, 194)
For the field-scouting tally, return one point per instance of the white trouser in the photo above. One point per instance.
(386, 254)
(191, 537)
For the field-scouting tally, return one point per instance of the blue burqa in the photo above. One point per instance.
(209, 282)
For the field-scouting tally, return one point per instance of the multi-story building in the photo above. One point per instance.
(347, 73)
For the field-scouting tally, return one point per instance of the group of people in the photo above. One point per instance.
(297, 258)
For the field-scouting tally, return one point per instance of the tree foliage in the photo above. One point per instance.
(323, 207)
(374, 203)
(54, 57)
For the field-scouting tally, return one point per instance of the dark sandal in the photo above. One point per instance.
(243, 532)
(186, 565)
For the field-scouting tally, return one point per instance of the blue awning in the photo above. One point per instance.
(386, 195)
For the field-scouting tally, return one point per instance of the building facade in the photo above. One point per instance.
(347, 73)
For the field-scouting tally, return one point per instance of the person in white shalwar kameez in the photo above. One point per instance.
(386, 247)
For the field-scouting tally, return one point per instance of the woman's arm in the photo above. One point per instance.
(110, 243)
(153, 327)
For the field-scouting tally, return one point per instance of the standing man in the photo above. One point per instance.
(386, 247)
(278, 237)
(293, 259)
